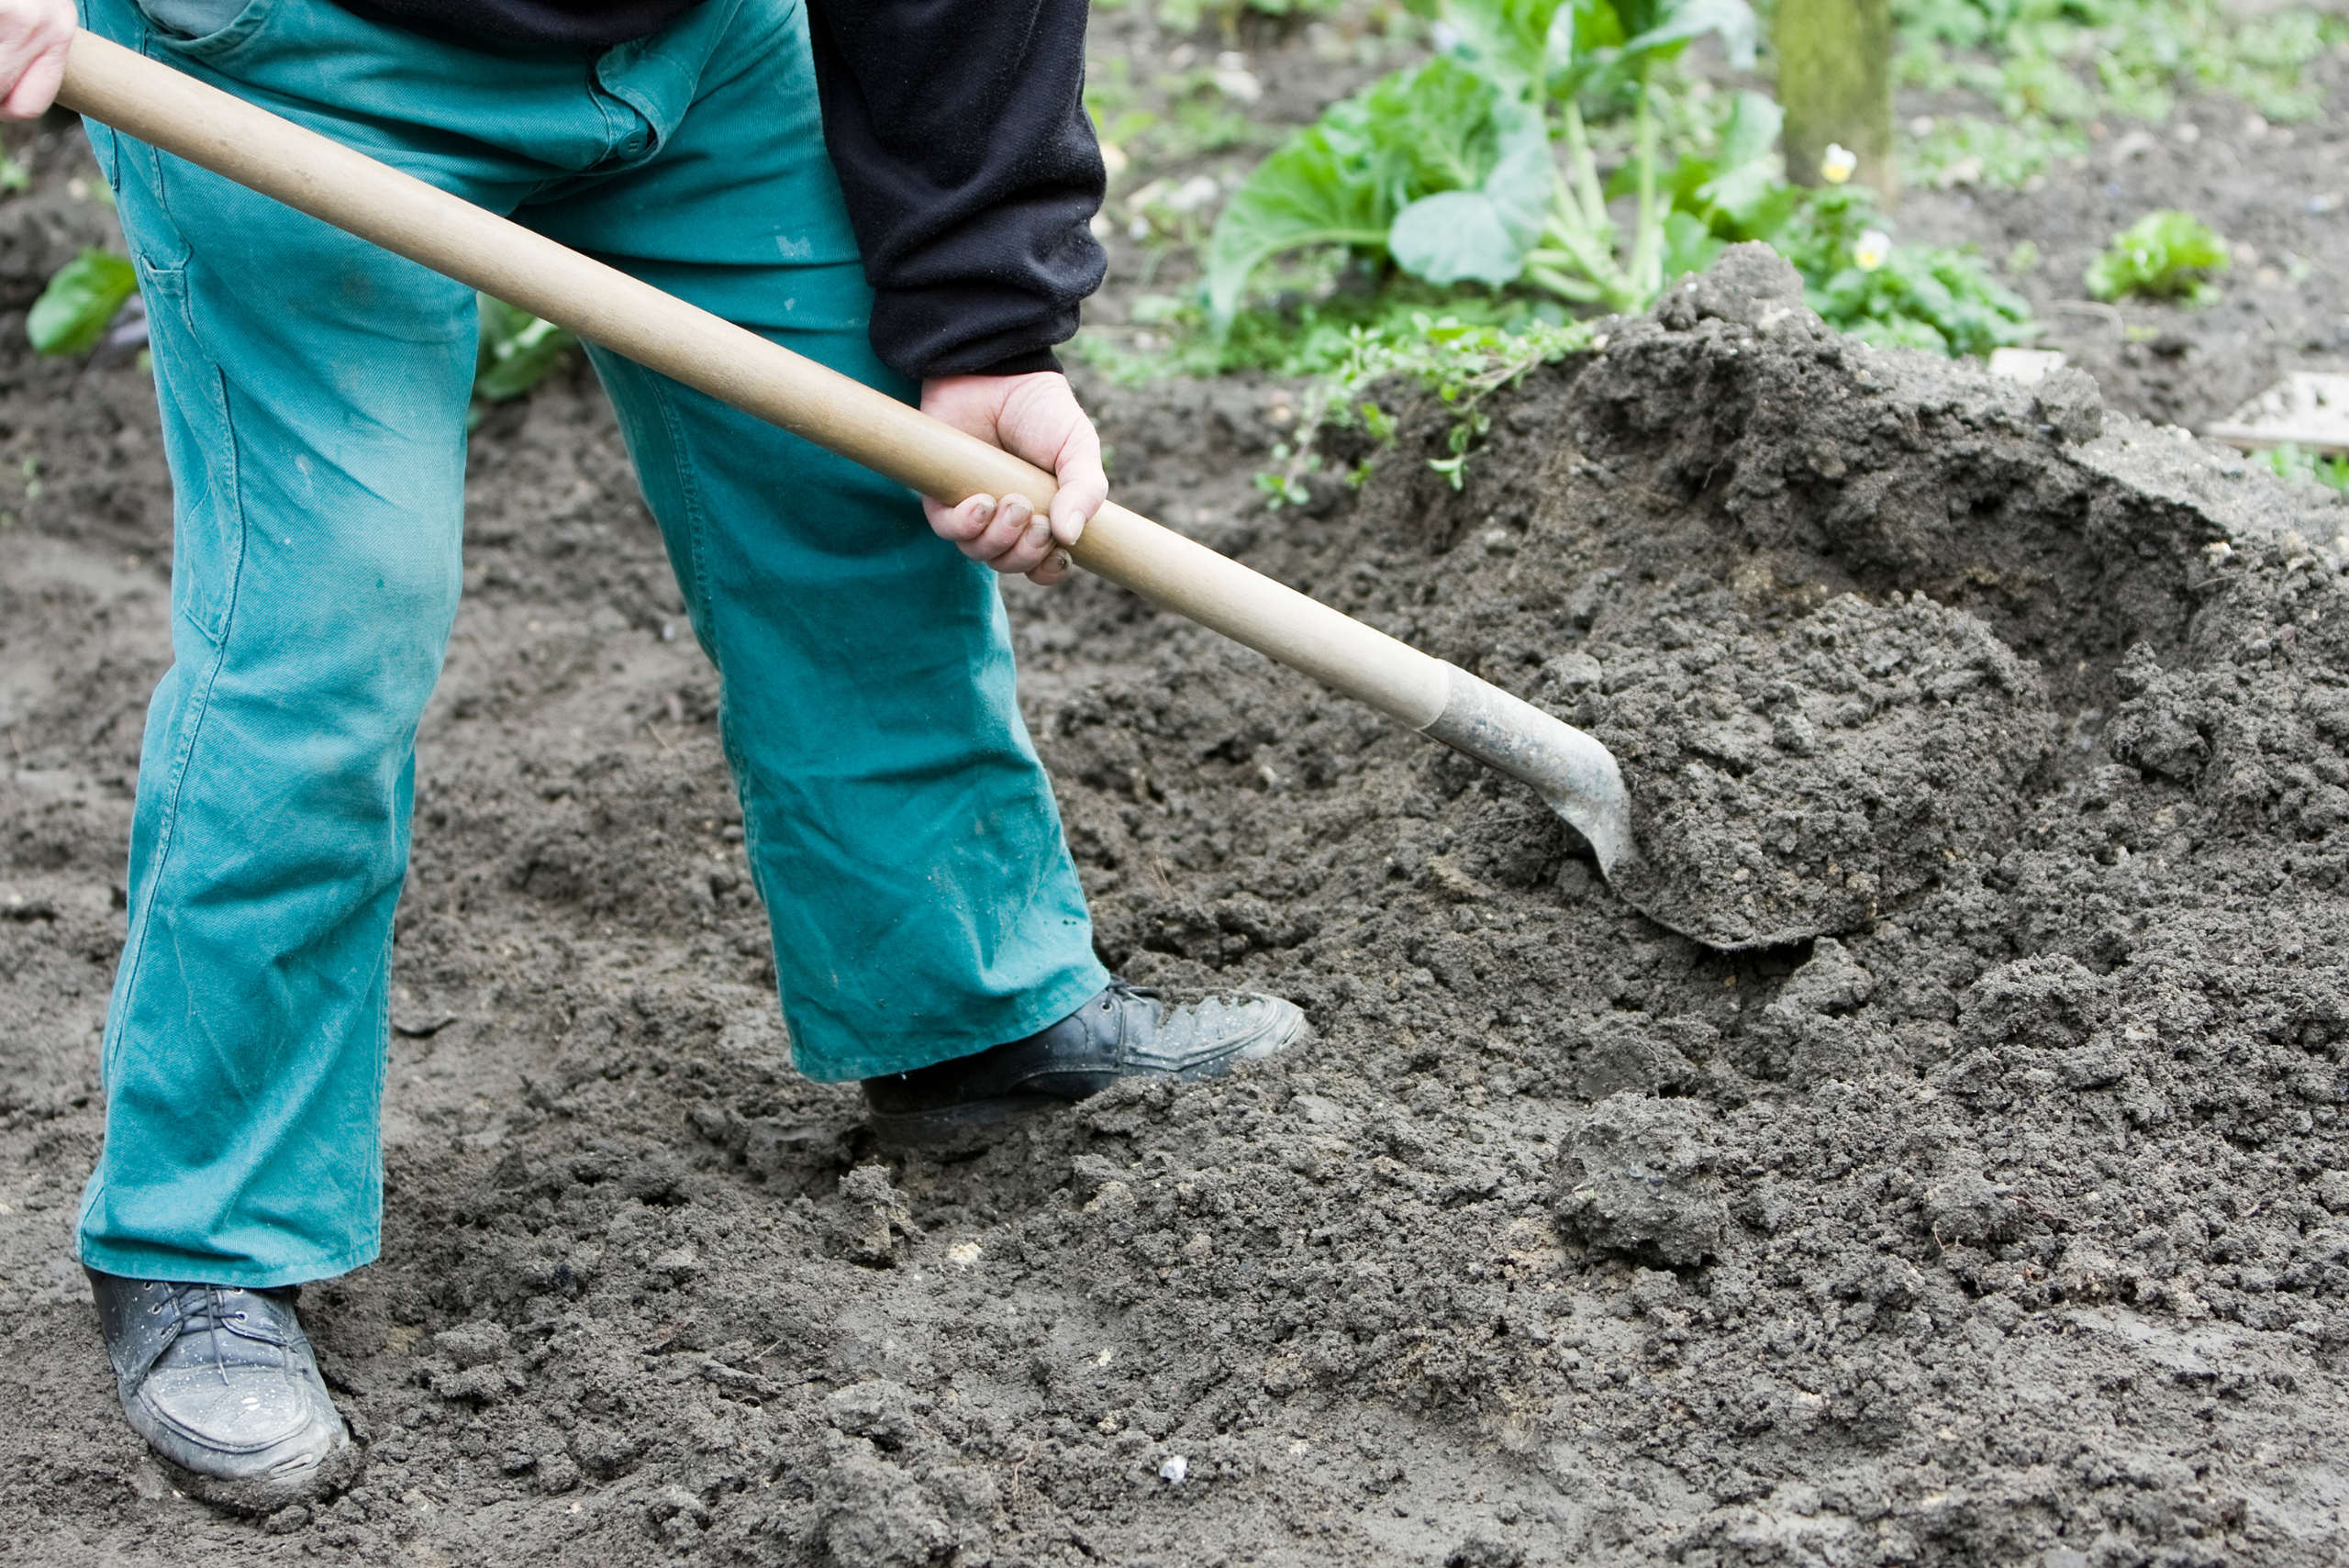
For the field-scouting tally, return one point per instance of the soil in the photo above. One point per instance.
(2007, 1223)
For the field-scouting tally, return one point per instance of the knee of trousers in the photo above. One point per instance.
(319, 639)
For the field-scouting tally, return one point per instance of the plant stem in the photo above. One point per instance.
(1588, 193)
(1540, 269)
(1647, 235)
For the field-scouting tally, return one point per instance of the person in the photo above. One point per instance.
(901, 191)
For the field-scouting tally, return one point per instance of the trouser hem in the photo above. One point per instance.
(145, 1265)
(1037, 1011)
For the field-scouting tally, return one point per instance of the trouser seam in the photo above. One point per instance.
(706, 614)
(696, 525)
(166, 835)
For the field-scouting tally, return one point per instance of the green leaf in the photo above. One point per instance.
(1752, 131)
(1617, 40)
(1746, 197)
(1664, 30)
(1484, 233)
(72, 313)
(1455, 235)
(517, 350)
(1513, 42)
(1326, 184)
(1432, 129)
(1689, 245)
(2164, 255)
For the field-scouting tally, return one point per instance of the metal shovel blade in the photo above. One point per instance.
(1579, 779)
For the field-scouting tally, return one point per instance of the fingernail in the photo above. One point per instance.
(1062, 560)
(983, 505)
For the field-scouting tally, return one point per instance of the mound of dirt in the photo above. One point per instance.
(2003, 1225)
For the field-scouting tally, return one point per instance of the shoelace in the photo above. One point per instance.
(203, 1309)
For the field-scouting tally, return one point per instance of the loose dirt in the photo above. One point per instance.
(2005, 1225)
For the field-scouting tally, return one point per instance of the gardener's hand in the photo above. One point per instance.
(34, 37)
(1034, 417)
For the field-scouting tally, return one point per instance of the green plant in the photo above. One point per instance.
(2288, 461)
(1461, 362)
(1908, 297)
(80, 300)
(1309, 330)
(517, 350)
(1452, 171)
(2068, 61)
(2167, 254)
(1968, 149)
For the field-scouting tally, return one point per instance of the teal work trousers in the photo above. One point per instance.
(313, 391)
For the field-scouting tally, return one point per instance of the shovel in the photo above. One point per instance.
(168, 109)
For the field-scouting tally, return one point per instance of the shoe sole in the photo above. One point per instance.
(259, 1495)
(975, 1124)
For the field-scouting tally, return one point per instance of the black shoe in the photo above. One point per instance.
(222, 1384)
(1124, 1032)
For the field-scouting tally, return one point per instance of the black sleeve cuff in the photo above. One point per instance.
(1029, 364)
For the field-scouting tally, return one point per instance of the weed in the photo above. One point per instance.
(2064, 61)
(80, 301)
(2288, 461)
(2164, 255)
(1909, 296)
(1461, 362)
(2001, 154)
(517, 350)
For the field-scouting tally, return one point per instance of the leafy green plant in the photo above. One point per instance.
(2167, 254)
(517, 350)
(1461, 362)
(2288, 461)
(80, 300)
(1906, 296)
(1308, 331)
(1452, 171)
(2068, 61)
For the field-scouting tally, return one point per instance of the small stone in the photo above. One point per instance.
(1173, 1471)
(286, 1521)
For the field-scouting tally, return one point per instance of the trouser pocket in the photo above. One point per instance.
(207, 521)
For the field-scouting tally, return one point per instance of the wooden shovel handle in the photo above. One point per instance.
(243, 142)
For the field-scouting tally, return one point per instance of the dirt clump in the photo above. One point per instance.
(2004, 1224)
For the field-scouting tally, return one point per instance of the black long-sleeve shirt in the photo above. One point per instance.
(959, 132)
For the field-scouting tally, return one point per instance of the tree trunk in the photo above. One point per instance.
(1835, 82)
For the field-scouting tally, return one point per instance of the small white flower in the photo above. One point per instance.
(1875, 248)
(1837, 166)
(1173, 1470)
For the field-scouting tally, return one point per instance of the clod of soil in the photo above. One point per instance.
(2005, 1225)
